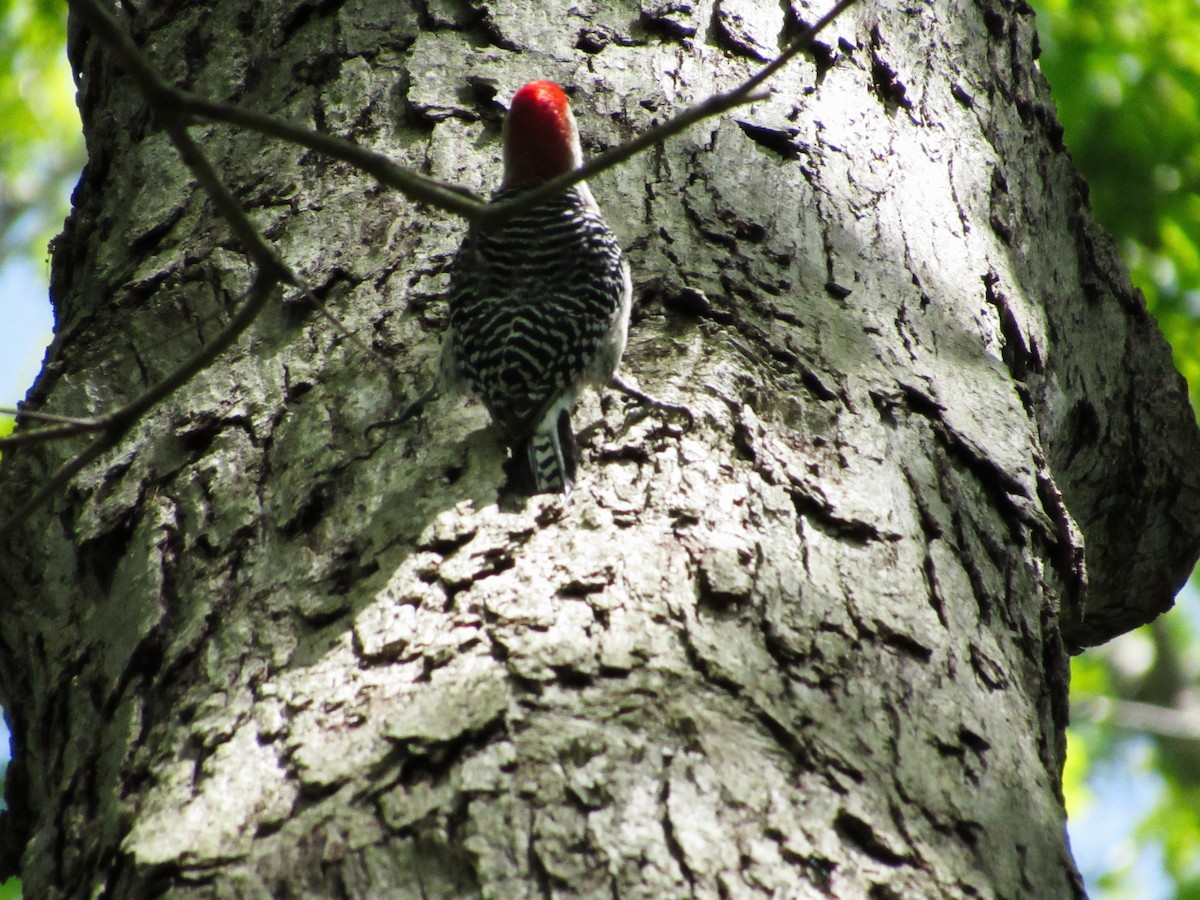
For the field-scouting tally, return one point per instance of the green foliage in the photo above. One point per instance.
(1078, 794)
(40, 142)
(1175, 823)
(10, 890)
(1126, 79)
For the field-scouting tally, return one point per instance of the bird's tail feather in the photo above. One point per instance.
(546, 460)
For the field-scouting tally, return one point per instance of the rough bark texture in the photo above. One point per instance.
(813, 646)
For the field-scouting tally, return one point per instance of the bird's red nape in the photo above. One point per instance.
(541, 140)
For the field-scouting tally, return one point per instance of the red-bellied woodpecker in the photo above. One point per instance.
(539, 304)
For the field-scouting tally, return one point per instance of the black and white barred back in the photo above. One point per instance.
(539, 308)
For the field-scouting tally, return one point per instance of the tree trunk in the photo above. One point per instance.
(815, 645)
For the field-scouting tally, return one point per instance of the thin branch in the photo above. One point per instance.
(60, 479)
(712, 106)
(1164, 721)
(67, 427)
(47, 417)
(173, 107)
(44, 435)
(413, 185)
(270, 267)
(165, 97)
(457, 200)
(116, 425)
(802, 42)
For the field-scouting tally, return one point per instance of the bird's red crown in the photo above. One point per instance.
(541, 140)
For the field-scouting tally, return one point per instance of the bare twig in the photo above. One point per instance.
(747, 92)
(414, 186)
(166, 98)
(1164, 721)
(117, 425)
(67, 427)
(88, 424)
(459, 201)
(802, 42)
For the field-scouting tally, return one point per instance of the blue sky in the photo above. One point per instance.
(28, 324)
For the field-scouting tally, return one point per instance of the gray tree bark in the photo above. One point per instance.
(816, 645)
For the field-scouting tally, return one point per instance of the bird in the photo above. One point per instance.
(538, 303)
